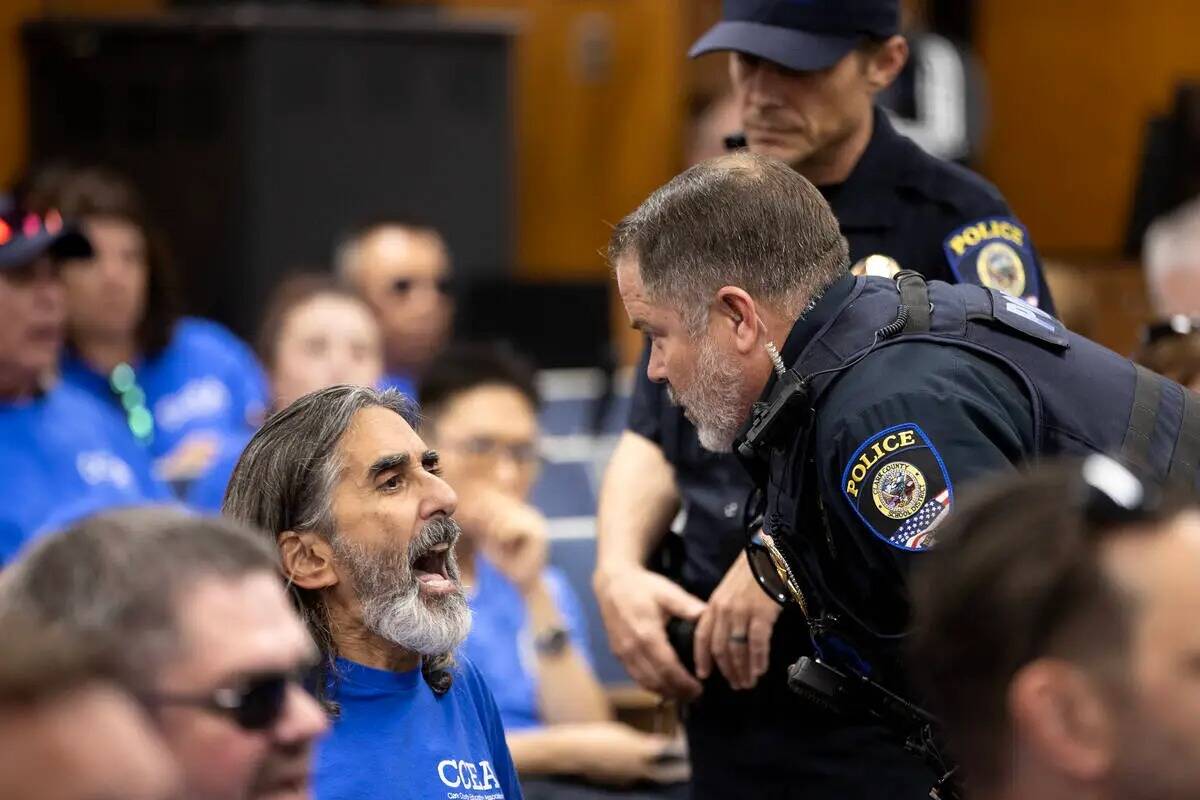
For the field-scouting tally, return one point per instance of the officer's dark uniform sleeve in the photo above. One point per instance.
(647, 403)
(892, 467)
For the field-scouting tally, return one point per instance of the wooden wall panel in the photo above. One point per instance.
(1071, 85)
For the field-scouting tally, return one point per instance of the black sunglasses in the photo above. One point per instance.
(256, 705)
(1177, 325)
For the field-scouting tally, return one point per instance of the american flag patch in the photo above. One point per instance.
(917, 531)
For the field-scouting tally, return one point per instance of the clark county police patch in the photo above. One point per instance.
(898, 485)
(995, 252)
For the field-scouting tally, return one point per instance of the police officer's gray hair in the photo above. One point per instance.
(1171, 244)
(285, 481)
(740, 220)
(118, 581)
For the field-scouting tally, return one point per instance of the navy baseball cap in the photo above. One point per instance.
(25, 237)
(802, 35)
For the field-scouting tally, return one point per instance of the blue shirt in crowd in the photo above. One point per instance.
(204, 382)
(63, 455)
(501, 641)
(396, 740)
(401, 383)
(206, 493)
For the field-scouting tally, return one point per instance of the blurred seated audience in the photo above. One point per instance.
(403, 271)
(314, 334)
(1171, 347)
(528, 634)
(180, 381)
(67, 731)
(1171, 259)
(342, 485)
(191, 613)
(1076, 300)
(59, 448)
(1056, 636)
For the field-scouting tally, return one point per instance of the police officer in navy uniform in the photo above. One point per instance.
(805, 75)
(887, 397)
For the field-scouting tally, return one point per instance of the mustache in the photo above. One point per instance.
(436, 532)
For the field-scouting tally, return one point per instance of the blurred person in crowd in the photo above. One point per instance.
(806, 78)
(191, 612)
(180, 381)
(403, 271)
(314, 334)
(1171, 258)
(343, 485)
(528, 636)
(67, 731)
(1056, 637)
(59, 448)
(1171, 347)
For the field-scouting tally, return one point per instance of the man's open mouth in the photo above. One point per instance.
(430, 568)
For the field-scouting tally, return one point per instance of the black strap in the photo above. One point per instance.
(1186, 457)
(914, 295)
(1147, 392)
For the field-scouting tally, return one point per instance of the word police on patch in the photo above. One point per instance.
(996, 253)
(898, 486)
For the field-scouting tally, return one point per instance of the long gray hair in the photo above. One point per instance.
(284, 481)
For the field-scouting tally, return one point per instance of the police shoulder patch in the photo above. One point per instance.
(995, 252)
(897, 484)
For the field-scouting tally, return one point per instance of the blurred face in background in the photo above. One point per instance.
(801, 117)
(33, 310)
(488, 436)
(106, 294)
(326, 341)
(404, 274)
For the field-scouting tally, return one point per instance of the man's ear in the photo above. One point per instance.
(737, 310)
(883, 63)
(307, 560)
(1060, 713)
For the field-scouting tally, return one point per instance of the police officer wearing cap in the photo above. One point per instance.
(862, 405)
(805, 75)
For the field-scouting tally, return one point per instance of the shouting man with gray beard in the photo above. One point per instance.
(355, 503)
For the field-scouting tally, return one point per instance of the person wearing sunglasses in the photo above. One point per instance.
(341, 483)
(1055, 636)
(882, 399)
(1171, 347)
(59, 448)
(403, 270)
(191, 613)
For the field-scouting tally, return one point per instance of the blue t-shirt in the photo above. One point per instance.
(63, 456)
(401, 383)
(396, 740)
(205, 381)
(501, 642)
(207, 492)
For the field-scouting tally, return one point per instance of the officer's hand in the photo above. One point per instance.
(735, 629)
(636, 604)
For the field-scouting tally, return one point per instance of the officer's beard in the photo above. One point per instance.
(712, 401)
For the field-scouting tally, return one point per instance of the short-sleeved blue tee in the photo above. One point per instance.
(396, 740)
(206, 493)
(205, 381)
(62, 456)
(501, 641)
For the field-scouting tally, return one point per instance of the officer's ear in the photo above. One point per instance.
(1060, 717)
(882, 61)
(739, 313)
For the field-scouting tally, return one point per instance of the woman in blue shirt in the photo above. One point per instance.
(180, 382)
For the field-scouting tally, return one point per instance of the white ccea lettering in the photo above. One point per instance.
(466, 774)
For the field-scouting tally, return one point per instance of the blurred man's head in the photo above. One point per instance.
(805, 75)
(32, 300)
(317, 334)
(728, 250)
(1171, 347)
(1056, 637)
(403, 271)
(192, 612)
(67, 731)
(124, 292)
(480, 405)
(363, 527)
(1171, 257)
